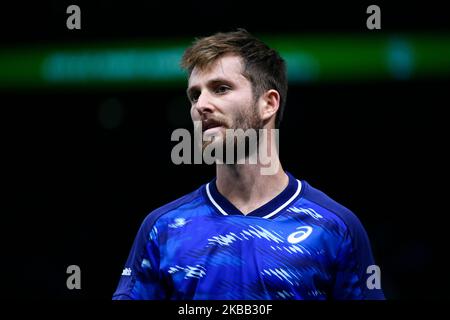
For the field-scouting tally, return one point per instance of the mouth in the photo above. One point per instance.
(210, 124)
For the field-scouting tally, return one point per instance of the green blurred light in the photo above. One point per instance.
(301, 66)
(400, 58)
(110, 65)
(315, 58)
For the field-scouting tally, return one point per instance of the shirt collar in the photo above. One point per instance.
(268, 210)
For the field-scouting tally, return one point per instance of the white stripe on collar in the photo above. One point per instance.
(297, 192)
(299, 187)
(214, 202)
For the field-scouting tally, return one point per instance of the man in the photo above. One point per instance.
(245, 234)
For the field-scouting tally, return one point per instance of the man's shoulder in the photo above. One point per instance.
(331, 206)
(185, 202)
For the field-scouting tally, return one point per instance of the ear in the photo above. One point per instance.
(270, 102)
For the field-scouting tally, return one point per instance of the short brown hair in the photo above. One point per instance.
(263, 66)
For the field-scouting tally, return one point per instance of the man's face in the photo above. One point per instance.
(222, 98)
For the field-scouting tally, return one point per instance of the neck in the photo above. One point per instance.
(246, 187)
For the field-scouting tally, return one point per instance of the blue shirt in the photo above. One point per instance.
(300, 245)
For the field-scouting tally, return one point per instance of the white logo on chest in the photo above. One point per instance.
(300, 235)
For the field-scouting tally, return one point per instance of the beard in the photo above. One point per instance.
(245, 120)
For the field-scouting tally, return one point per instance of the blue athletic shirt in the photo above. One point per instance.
(301, 245)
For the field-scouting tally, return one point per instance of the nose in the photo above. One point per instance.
(204, 104)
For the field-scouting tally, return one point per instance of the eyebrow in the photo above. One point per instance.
(210, 83)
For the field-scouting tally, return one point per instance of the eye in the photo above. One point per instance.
(193, 97)
(222, 89)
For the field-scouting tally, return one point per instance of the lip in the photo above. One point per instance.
(209, 124)
(212, 130)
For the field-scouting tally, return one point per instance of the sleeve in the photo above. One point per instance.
(140, 279)
(357, 275)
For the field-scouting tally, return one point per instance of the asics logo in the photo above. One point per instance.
(300, 235)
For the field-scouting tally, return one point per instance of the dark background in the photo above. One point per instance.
(76, 188)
